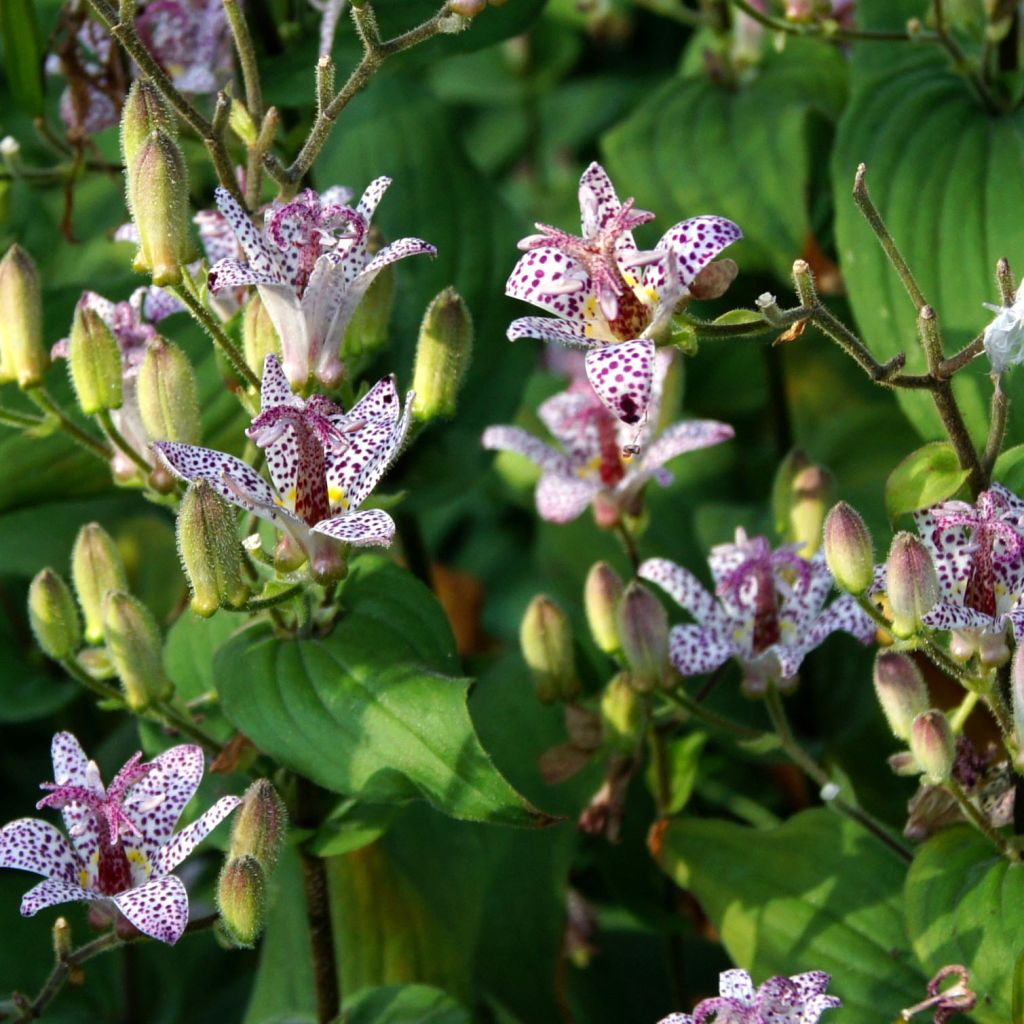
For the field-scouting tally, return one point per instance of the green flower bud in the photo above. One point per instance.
(545, 637)
(911, 584)
(136, 649)
(466, 8)
(261, 825)
(158, 198)
(242, 900)
(94, 358)
(848, 549)
(367, 331)
(601, 596)
(96, 569)
(168, 400)
(23, 357)
(643, 631)
(933, 746)
(210, 550)
(144, 112)
(442, 356)
(992, 650)
(812, 492)
(53, 616)
(259, 335)
(901, 691)
(62, 944)
(622, 712)
(782, 489)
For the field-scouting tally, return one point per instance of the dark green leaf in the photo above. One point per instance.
(925, 477)
(23, 54)
(1009, 468)
(401, 1004)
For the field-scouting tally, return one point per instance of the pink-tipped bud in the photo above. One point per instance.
(466, 8)
(848, 549)
(545, 637)
(601, 596)
(136, 650)
(643, 633)
(901, 691)
(622, 712)
(242, 900)
(168, 397)
(23, 356)
(993, 651)
(53, 616)
(96, 569)
(94, 359)
(259, 335)
(144, 112)
(912, 585)
(933, 746)
(443, 352)
(261, 825)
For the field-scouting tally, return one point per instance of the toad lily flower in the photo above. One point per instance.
(604, 290)
(1004, 337)
(191, 39)
(797, 1000)
(324, 463)
(121, 845)
(767, 612)
(601, 459)
(312, 266)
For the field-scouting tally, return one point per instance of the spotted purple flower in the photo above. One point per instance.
(600, 455)
(604, 291)
(800, 999)
(120, 844)
(324, 463)
(766, 611)
(311, 266)
(192, 41)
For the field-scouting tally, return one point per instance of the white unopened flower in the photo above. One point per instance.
(1004, 337)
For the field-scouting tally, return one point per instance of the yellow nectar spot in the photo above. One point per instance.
(336, 496)
(83, 878)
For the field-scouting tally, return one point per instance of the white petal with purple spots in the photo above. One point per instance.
(371, 527)
(30, 844)
(158, 909)
(622, 376)
(175, 851)
(560, 499)
(566, 332)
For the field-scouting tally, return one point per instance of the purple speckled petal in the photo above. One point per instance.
(736, 984)
(378, 461)
(372, 196)
(171, 855)
(598, 201)
(257, 252)
(695, 242)
(156, 802)
(158, 909)
(515, 439)
(845, 615)
(543, 276)
(576, 420)
(622, 376)
(566, 332)
(274, 387)
(379, 403)
(52, 891)
(560, 499)
(70, 766)
(30, 844)
(811, 983)
(1016, 620)
(683, 437)
(159, 304)
(683, 587)
(676, 1018)
(230, 273)
(695, 650)
(947, 615)
(371, 527)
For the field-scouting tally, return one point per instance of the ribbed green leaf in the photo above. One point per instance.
(23, 55)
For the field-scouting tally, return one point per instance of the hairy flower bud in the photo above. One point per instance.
(848, 549)
(144, 112)
(210, 550)
(622, 712)
(168, 399)
(158, 198)
(53, 616)
(810, 494)
(601, 596)
(242, 899)
(259, 335)
(442, 356)
(466, 8)
(62, 943)
(23, 357)
(367, 331)
(992, 650)
(643, 634)
(545, 637)
(94, 358)
(901, 691)
(912, 585)
(96, 569)
(136, 649)
(933, 746)
(261, 825)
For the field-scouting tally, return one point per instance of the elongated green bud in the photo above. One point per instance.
(911, 584)
(53, 616)
(782, 489)
(545, 637)
(643, 632)
(622, 712)
(848, 549)
(62, 944)
(136, 649)
(158, 197)
(210, 550)
(261, 825)
(367, 331)
(933, 746)
(442, 356)
(94, 358)
(812, 491)
(96, 569)
(23, 357)
(144, 112)
(242, 900)
(901, 691)
(259, 335)
(601, 596)
(168, 397)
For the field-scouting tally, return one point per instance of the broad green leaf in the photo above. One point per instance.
(367, 710)
(948, 178)
(1018, 991)
(925, 477)
(816, 893)
(23, 55)
(965, 905)
(351, 826)
(400, 1004)
(189, 651)
(745, 152)
(1009, 468)
(741, 316)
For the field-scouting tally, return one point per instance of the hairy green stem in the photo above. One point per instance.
(996, 427)
(259, 604)
(246, 58)
(831, 31)
(121, 442)
(77, 671)
(209, 323)
(980, 821)
(713, 718)
(42, 398)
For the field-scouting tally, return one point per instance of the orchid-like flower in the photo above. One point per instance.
(800, 999)
(120, 844)
(1004, 337)
(766, 611)
(311, 266)
(608, 296)
(191, 39)
(601, 459)
(324, 463)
